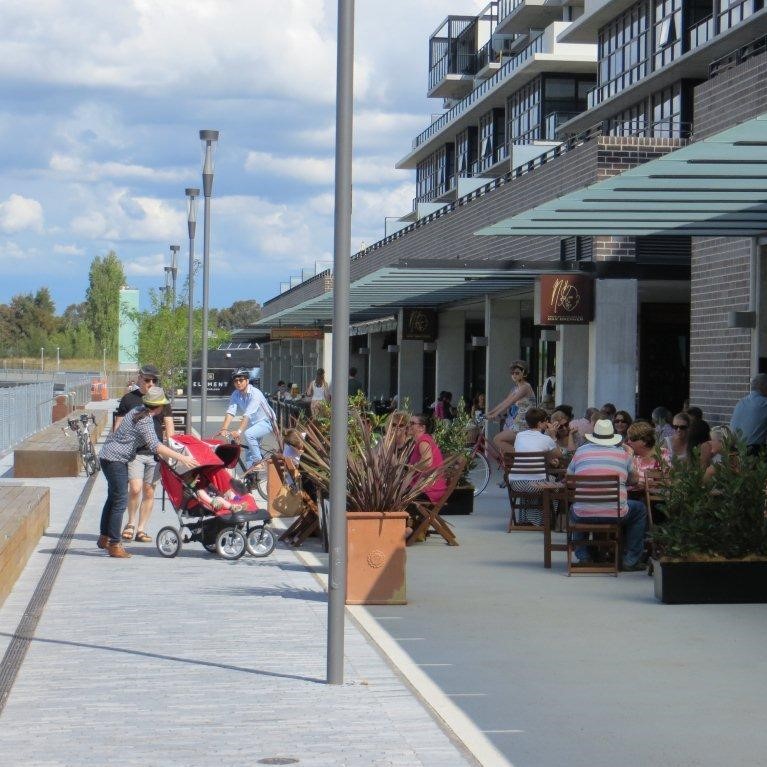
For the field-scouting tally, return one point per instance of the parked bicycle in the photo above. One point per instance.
(82, 427)
(483, 452)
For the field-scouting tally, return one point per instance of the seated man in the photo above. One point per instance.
(602, 454)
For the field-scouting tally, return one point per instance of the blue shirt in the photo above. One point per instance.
(252, 404)
(749, 418)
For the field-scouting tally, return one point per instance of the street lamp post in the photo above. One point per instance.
(42, 359)
(58, 359)
(174, 249)
(191, 223)
(209, 139)
(104, 362)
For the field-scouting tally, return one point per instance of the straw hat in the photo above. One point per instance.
(155, 397)
(604, 433)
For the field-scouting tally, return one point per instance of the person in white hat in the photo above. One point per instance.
(603, 454)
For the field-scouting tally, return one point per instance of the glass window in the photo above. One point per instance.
(560, 88)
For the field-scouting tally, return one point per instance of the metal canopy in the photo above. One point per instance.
(713, 187)
(390, 288)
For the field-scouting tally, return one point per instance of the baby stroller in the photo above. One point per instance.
(227, 532)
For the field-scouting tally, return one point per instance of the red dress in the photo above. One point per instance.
(434, 490)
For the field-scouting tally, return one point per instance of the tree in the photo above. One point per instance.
(102, 299)
(239, 315)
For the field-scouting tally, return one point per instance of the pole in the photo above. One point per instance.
(208, 136)
(58, 359)
(42, 359)
(103, 362)
(191, 223)
(340, 393)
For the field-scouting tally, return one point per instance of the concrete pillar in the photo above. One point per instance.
(325, 358)
(410, 372)
(572, 366)
(450, 353)
(613, 344)
(378, 368)
(502, 329)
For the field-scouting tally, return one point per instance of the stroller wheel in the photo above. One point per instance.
(261, 541)
(230, 543)
(168, 542)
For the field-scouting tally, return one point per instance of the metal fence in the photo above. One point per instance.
(27, 399)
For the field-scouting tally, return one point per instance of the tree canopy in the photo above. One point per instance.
(102, 306)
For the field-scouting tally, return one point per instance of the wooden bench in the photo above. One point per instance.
(24, 515)
(51, 452)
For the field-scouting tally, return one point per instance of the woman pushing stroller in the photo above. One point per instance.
(135, 430)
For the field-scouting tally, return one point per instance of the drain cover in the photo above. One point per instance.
(278, 760)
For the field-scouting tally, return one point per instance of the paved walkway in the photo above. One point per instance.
(196, 661)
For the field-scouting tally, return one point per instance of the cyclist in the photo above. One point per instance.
(143, 470)
(257, 418)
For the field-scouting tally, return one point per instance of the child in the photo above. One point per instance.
(237, 498)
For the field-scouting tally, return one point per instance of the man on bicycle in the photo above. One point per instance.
(143, 470)
(257, 418)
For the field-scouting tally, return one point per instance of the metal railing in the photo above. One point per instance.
(737, 56)
(552, 122)
(25, 409)
(460, 64)
(288, 411)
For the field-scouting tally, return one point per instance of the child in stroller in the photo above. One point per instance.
(212, 508)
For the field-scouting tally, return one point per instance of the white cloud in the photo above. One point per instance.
(12, 251)
(68, 250)
(84, 170)
(18, 213)
(147, 266)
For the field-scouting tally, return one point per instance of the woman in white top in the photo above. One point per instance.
(319, 391)
(537, 438)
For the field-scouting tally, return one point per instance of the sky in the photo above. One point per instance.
(101, 104)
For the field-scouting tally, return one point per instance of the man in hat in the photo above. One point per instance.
(143, 470)
(603, 454)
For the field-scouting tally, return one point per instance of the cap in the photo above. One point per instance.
(155, 397)
(149, 371)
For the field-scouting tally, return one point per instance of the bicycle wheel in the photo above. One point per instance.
(91, 460)
(479, 473)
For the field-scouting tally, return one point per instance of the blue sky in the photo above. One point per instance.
(100, 108)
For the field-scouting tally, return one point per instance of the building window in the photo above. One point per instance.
(667, 112)
(524, 114)
(563, 99)
(630, 122)
(667, 42)
(465, 151)
(622, 50)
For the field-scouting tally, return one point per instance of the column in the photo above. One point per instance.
(572, 380)
(410, 371)
(325, 354)
(613, 344)
(378, 368)
(450, 353)
(503, 345)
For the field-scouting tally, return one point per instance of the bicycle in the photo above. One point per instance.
(255, 480)
(82, 427)
(483, 451)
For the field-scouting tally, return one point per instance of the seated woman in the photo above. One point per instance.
(566, 437)
(443, 407)
(621, 422)
(537, 438)
(513, 407)
(713, 452)
(679, 445)
(640, 437)
(424, 457)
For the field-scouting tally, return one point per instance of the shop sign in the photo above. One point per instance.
(419, 325)
(219, 382)
(287, 334)
(566, 299)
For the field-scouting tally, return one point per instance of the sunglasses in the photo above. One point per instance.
(415, 423)
(679, 427)
(240, 378)
(147, 379)
(620, 420)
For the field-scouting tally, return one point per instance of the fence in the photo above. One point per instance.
(27, 399)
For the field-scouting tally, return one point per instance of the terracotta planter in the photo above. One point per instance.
(376, 558)
(725, 582)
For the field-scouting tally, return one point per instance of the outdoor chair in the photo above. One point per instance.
(429, 512)
(308, 521)
(524, 465)
(656, 487)
(602, 490)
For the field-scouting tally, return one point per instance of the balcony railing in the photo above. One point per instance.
(700, 33)
(553, 121)
(737, 12)
(536, 46)
(732, 59)
(463, 64)
(507, 7)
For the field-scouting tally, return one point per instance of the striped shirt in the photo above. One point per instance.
(121, 445)
(590, 459)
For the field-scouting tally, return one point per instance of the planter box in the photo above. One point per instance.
(460, 502)
(375, 558)
(724, 582)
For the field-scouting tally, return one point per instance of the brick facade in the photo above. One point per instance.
(720, 357)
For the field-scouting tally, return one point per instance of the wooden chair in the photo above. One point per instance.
(603, 490)
(656, 486)
(429, 512)
(308, 521)
(524, 465)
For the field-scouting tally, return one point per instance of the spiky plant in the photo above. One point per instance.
(379, 477)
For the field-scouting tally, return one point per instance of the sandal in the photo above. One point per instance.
(142, 537)
(128, 532)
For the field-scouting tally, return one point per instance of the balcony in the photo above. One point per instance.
(553, 121)
(517, 16)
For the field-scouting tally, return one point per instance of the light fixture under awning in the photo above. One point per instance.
(714, 187)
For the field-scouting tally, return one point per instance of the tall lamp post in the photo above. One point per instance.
(191, 224)
(174, 249)
(104, 362)
(42, 358)
(58, 359)
(209, 139)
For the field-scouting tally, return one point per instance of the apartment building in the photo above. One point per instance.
(542, 100)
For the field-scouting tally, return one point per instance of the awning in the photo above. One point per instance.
(713, 187)
(410, 283)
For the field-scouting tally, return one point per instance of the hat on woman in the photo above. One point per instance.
(155, 397)
(604, 433)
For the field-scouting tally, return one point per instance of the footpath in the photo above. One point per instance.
(191, 661)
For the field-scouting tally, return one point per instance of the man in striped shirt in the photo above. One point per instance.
(603, 454)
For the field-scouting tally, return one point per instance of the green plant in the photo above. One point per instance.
(723, 518)
(379, 477)
(452, 435)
